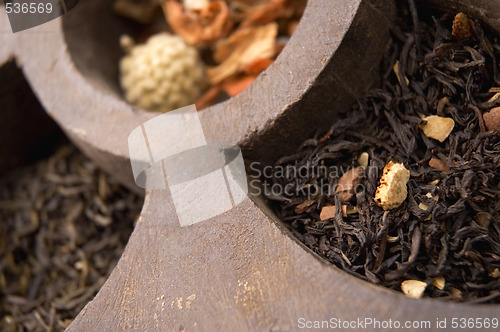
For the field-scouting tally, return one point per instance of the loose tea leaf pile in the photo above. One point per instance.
(445, 236)
(64, 225)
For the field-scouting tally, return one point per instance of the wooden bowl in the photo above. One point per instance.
(242, 270)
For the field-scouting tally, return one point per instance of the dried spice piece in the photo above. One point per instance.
(437, 127)
(434, 182)
(413, 288)
(439, 283)
(199, 27)
(328, 212)
(348, 182)
(395, 68)
(303, 206)
(425, 206)
(455, 292)
(492, 119)
(163, 74)
(462, 27)
(438, 164)
(363, 160)
(392, 192)
(326, 136)
(241, 49)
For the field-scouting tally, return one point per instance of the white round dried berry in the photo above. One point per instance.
(163, 74)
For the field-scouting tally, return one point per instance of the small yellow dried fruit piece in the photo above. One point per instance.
(456, 292)
(327, 212)
(363, 160)
(437, 127)
(392, 239)
(423, 206)
(392, 191)
(495, 273)
(352, 210)
(413, 288)
(462, 27)
(439, 282)
(395, 68)
(434, 182)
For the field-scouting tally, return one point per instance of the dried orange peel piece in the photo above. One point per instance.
(437, 127)
(492, 119)
(462, 27)
(268, 13)
(413, 288)
(242, 49)
(392, 191)
(199, 27)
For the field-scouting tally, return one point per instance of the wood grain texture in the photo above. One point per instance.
(237, 272)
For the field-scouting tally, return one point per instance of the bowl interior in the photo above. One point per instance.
(92, 32)
(28, 133)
